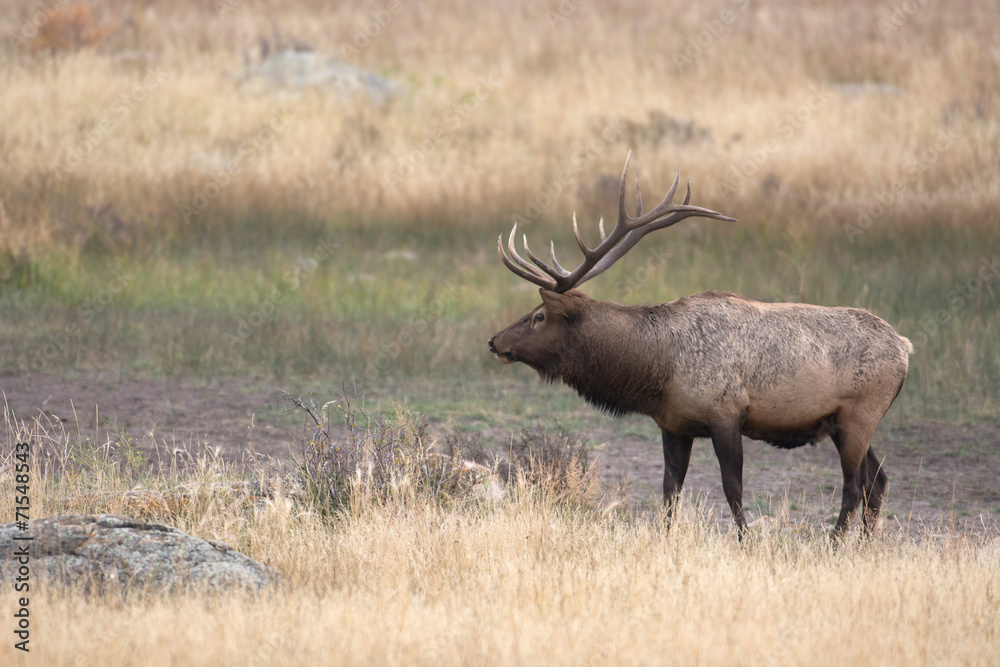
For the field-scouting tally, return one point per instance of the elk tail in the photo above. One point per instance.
(907, 345)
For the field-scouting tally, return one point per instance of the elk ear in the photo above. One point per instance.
(564, 305)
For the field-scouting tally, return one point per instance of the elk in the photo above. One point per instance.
(714, 364)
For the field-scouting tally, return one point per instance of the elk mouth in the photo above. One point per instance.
(506, 357)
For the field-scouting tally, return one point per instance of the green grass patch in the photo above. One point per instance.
(402, 311)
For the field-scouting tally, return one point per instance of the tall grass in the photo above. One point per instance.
(530, 585)
(408, 579)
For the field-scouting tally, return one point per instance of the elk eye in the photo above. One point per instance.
(539, 316)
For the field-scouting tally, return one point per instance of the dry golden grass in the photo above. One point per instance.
(523, 582)
(880, 101)
(529, 579)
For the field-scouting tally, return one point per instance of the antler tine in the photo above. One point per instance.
(555, 262)
(517, 258)
(521, 268)
(554, 273)
(638, 192)
(600, 226)
(664, 206)
(674, 213)
(517, 270)
(623, 217)
(579, 239)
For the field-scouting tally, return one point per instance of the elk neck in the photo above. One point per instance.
(614, 358)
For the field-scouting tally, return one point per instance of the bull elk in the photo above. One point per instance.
(714, 364)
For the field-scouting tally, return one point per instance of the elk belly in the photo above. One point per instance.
(790, 416)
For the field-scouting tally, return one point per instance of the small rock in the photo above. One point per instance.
(304, 69)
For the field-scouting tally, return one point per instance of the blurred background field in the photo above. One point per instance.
(171, 207)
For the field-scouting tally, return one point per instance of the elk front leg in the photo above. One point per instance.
(728, 444)
(676, 457)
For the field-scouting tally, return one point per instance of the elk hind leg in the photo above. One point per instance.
(874, 484)
(853, 440)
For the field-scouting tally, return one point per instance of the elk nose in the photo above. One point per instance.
(492, 349)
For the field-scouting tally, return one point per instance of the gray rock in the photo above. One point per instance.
(97, 550)
(304, 69)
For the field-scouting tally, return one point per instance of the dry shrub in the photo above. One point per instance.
(71, 29)
(554, 462)
(547, 464)
(371, 462)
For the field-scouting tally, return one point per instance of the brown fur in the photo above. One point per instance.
(719, 365)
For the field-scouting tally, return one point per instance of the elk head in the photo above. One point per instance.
(542, 338)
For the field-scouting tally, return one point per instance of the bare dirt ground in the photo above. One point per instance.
(942, 475)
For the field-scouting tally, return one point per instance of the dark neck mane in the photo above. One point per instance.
(610, 365)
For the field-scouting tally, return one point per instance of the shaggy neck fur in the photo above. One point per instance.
(608, 359)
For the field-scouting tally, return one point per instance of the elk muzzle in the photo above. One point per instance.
(505, 356)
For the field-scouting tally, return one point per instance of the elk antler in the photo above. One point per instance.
(627, 232)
